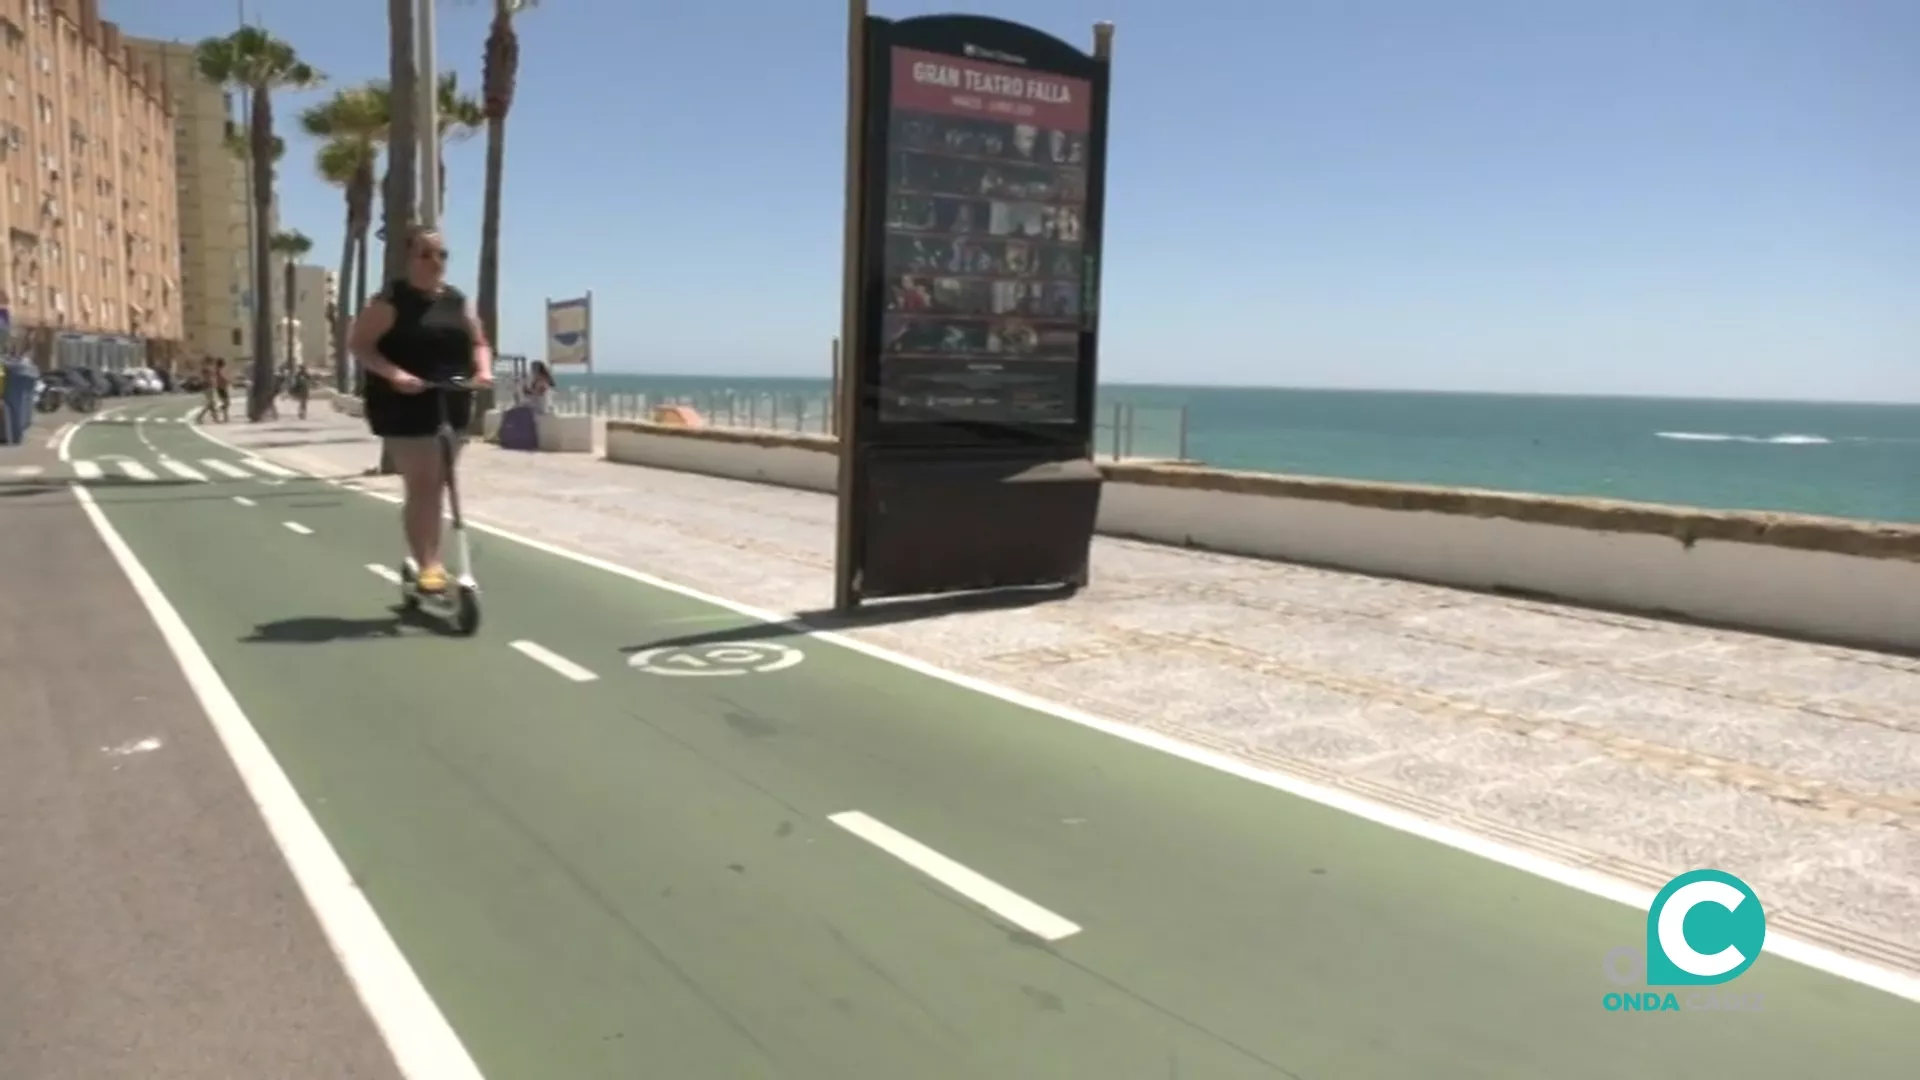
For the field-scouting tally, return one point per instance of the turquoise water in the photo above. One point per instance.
(1859, 461)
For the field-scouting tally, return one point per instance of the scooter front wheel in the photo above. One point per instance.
(466, 617)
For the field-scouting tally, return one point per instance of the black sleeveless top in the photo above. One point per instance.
(430, 336)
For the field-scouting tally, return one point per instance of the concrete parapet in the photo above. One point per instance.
(565, 434)
(1830, 579)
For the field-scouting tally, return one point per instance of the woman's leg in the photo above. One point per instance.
(424, 482)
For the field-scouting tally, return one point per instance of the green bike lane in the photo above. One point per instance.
(638, 872)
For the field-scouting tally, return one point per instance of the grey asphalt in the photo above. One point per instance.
(148, 925)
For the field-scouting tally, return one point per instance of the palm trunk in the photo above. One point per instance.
(260, 141)
(488, 300)
(342, 314)
(361, 277)
(402, 149)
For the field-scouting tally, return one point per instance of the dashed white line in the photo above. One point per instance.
(270, 468)
(183, 470)
(225, 469)
(26, 470)
(87, 470)
(137, 470)
(381, 570)
(244, 501)
(540, 654)
(294, 526)
(976, 887)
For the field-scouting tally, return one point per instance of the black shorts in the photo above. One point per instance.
(393, 415)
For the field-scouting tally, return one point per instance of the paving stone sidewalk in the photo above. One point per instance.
(1638, 747)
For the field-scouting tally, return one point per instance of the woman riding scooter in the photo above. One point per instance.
(420, 330)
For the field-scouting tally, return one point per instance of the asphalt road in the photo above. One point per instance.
(695, 869)
(148, 926)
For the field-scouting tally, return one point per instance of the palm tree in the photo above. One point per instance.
(256, 63)
(502, 68)
(353, 125)
(461, 118)
(241, 148)
(290, 245)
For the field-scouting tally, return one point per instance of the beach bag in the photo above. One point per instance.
(518, 429)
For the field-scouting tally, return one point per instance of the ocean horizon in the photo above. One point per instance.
(1835, 458)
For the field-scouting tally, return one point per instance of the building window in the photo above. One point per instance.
(236, 337)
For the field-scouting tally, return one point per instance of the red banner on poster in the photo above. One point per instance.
(955, 86)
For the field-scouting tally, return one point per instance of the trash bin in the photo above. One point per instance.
(19, 384)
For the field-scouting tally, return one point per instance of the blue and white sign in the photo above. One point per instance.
(570, 332)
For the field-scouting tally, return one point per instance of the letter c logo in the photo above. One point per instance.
(1726, 936)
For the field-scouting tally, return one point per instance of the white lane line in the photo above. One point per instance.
(87, 470)
(976, 887)
(137, 470)
(182, 470)
(294, 526)
(26, 470)
(423, 1043)
(539, 654)
(1580, 878)
(270, 468)
(225, 469)
(244, 501)
(389, 573)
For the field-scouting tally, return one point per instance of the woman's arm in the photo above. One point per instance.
(482, 351)
(363, 338)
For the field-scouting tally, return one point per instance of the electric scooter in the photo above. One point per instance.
(459, 603)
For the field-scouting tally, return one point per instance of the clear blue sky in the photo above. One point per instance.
(1712, 197)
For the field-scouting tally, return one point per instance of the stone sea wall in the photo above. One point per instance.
(1834, 580)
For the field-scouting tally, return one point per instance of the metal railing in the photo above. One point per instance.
(1121, 431)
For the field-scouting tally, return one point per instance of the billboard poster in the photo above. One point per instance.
(570, 332)
(985, 263)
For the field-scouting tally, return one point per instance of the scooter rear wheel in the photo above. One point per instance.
(409, 595)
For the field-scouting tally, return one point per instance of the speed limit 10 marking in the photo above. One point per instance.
(733, 658)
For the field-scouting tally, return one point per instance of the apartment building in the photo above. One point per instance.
(214, 282)
(87, 164)
(315, 292)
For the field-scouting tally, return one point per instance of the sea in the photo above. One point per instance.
(1841, 460)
